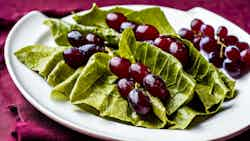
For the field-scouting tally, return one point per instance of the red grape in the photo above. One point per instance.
(125, 86)
(146, 32)
(245, 56)
(89, 49)
(242, 45)
(73, 57)
(75, 38)
(196, 25)
(207, 30)
(232, 52)
(120, 67)
(180, 51)
(138, 71)
(163, 42)
(222, 32)
(139, 102)
(233, 68)
(196, 42)
(207, 44)
(215, 59)
(230, 40)
(94, 39)
(186, 34)
(114, 20)
(156, 86)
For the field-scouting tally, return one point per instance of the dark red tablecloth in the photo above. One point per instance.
(18, 119)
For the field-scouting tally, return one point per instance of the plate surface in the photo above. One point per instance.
(30, 30)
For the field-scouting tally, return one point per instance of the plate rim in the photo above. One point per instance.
(87, 131)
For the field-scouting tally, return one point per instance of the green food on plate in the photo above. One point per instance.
(195, 91)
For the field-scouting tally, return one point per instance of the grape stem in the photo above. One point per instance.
(222, 47)
(137, 85)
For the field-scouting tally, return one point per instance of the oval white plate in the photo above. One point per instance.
(30, 30)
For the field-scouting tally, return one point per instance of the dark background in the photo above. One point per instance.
(237, 11)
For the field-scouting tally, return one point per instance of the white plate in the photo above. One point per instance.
(30, 30)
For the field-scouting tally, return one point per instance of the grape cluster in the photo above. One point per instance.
(131, 76)
(83, 48)
(148, 33)
(219, 48)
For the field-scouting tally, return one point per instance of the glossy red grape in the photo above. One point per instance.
(242, 45)
(75, 38)
(89, 49)
(120, 67)
(207, 44)
(207, 30)
(163, 42)
(138, 71)
(196, 42)
(146, 32)
(94, 39)
(73, 57)
(186, 34)
(180, 51)
(125, 86)
(233, 68)
(196, 25)
(232, 52)
(139, 102)
(230, 40)
(222, 32)
(127, 24)
(76, 57)
(155, 86)
(114, 20)
(215, 59)
(245, 56)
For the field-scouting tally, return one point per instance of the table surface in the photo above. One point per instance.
(237, 11)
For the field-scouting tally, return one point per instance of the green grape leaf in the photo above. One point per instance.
(60, 73)
(39, 58)
(62, 90)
